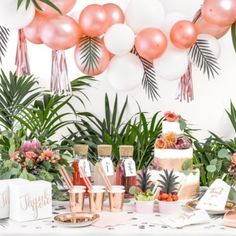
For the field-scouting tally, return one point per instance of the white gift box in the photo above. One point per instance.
(4, 196)
(30, 201)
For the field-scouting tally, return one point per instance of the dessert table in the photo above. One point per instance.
(126, 223)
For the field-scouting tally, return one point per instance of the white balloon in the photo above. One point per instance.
(142, 14)
(172, 64)
(11, 17)
(186, 7)
(170, 20)
(213, 43)
(125, 72)
(119, 39)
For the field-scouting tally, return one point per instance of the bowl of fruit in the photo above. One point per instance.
(168, 201)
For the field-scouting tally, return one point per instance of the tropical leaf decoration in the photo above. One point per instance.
(90, 50)
(45, 117)
(233, 35)
(27, 2)
(15, 93)
(203, 57)
(149, 81)
(4, 35)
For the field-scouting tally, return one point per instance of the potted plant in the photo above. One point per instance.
(168, 196)
(144, 198)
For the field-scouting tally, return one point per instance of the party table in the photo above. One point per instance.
(126, 223)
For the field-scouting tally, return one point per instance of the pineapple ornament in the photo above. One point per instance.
(144, 197)
(168, 196)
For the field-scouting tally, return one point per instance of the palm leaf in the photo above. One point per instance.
(4, 35)
(203, 57)
(90, 50)
(47, 2)
(149, 81)
(233, 35)
(15, 93)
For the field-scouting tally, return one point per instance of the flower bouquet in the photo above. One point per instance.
(32, 161)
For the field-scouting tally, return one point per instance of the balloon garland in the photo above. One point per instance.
(153, 42)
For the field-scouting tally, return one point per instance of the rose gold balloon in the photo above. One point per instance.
(103, 61)
(150, 43)
(183, 34)
(205, 27)
(93, 20)
(64, 5)
(114, 13)
(219, 12)
(61, 32)
(32, 30)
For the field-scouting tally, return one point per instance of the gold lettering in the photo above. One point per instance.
(4, 199)
(35, 202)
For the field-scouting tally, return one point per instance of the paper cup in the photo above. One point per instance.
(76, 200)
(96, 199)
(116, 199)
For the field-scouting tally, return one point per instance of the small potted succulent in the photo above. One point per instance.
(168, 195)
(144, 198)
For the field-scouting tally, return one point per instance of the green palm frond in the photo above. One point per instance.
(90, 49)
(45, 117)
(203, 57)
(4, 35)
(15, 93)
(27, 2)
(149, 81)
(233, 35)
(79, 84)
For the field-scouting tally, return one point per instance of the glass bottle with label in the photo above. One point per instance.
(126, 169)
(104, 159)
(80, 161)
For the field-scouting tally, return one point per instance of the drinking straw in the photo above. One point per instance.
(155, 189)
(104, 177)
(66, 177)
(85, 178)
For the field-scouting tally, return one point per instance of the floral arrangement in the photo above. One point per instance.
(33, 161)
(172, 141)
(232, 169)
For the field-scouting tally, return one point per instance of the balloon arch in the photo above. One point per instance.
(154, 38)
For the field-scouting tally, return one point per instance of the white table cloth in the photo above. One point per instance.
(127, 223)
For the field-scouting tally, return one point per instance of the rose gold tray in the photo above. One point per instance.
(230, 206)
(77, 219)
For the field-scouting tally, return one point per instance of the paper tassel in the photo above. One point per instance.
(186, 86)
(22, 62)
(60, 83)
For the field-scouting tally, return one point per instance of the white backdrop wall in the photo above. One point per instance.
(211, 98)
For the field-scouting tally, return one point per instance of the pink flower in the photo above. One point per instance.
(32, 145)
(15, 156)
(46, 154)
(30, 155)
(233, 159)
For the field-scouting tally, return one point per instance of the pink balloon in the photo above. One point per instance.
(60, 33)
(64, 5)
(150, 43)
(114, 13)
(219, 12)
(103, 61)
(205, 27)
(183, 34)
(93, 20)
(32, 32)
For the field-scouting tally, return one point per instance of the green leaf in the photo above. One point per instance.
(182, 124)
(132, 190)
(49, 3)
(233, 35)
(232, 194)
(187, 164)
(149, 81)
(224, 153)
(211, 168)
(4, 37)
(26, 175)
(204, 58)
(213, 162)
